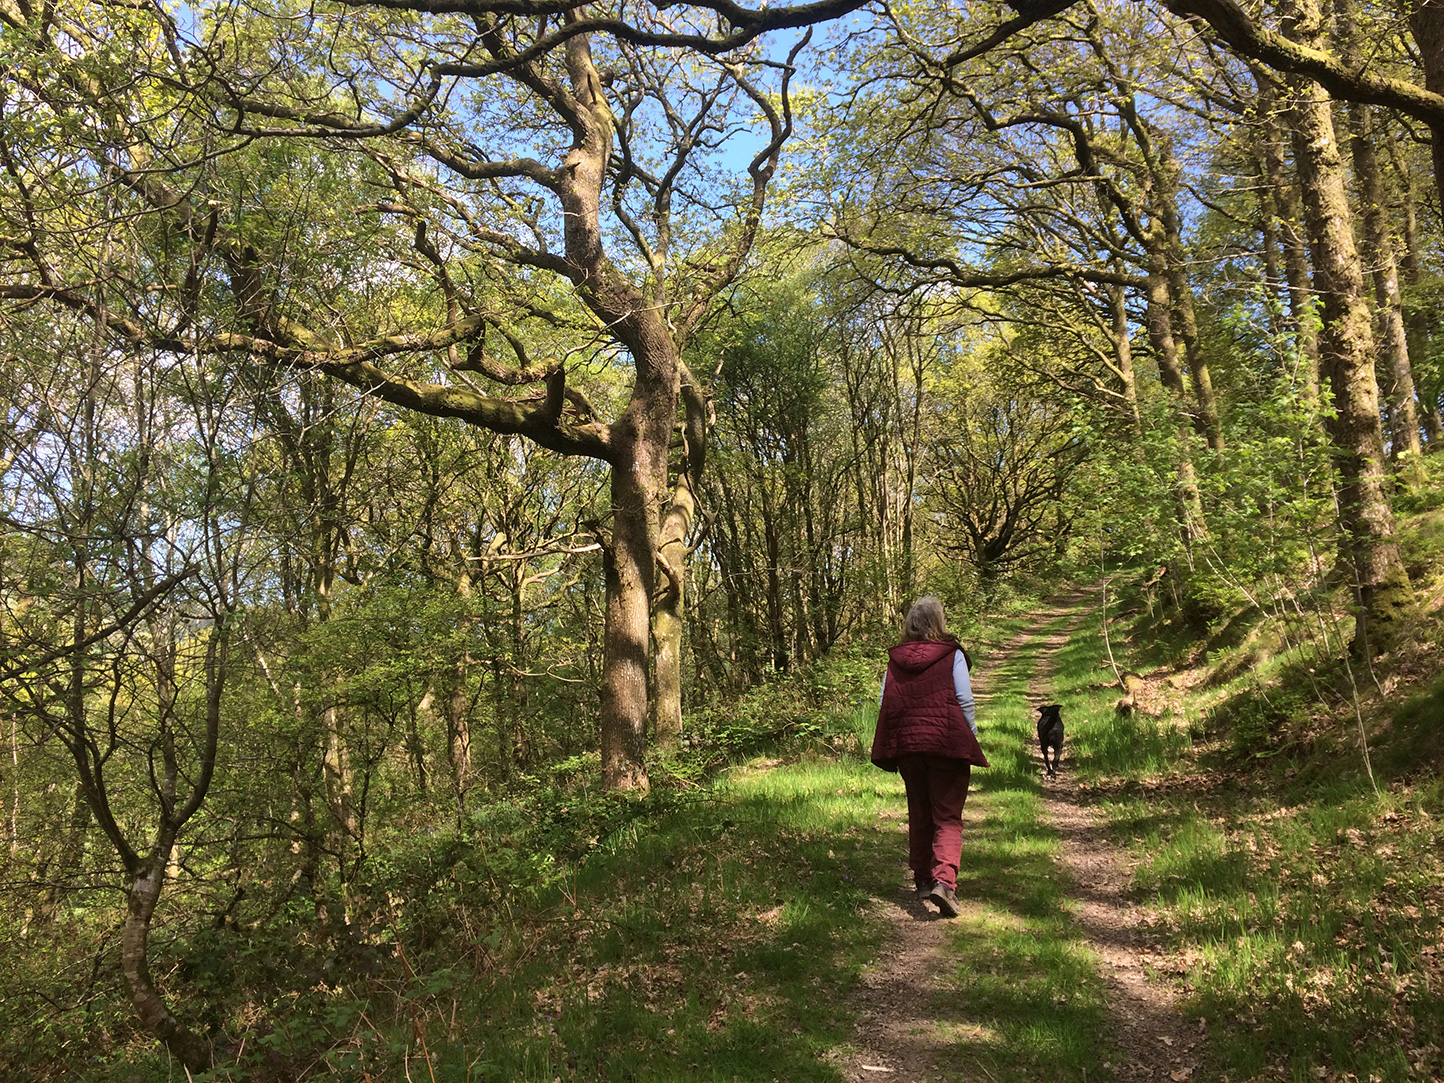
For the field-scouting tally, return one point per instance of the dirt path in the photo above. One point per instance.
(1154, 1039)
(901, 1035)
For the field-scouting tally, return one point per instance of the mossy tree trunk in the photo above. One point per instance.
(1397, 382)
(1346, 351)
(1282, 202)
(678, 517)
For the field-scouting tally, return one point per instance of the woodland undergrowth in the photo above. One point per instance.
(715, 928)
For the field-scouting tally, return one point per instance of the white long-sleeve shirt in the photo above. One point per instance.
(962, 688)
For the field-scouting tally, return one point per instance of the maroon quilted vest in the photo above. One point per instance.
(920, 712)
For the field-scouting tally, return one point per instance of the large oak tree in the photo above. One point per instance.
(560, 174)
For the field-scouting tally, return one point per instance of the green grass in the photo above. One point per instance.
(1310, 937)
(1024, 987)
(726, 935)
(1026, 999)
(718, 932)
(713, 941)
(1304, 907)
(718, 936)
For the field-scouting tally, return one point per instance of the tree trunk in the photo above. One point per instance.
(1295, 248)
(1346, 349)
(1416, 320)
(1160, 320)
(667, 626)
(1192, 523)
(912, 448)
(628, 566)
(637, 441)
(1398, 384)
(458, 732)
(1271, 241)
(56, 869)
(779, 649)
(745, 666)
(1426, 22)
(677, 520)
(416, 746)
(1123, 358)
(1186, 321)
(142, 893)
(638, 479)
(340, 785)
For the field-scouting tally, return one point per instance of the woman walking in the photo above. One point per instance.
(926, 731)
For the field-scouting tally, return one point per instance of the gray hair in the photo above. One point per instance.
(925, 621)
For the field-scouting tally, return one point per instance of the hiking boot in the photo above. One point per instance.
(924, 887)
(946, 898)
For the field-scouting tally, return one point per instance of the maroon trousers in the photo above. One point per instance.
(937, 787)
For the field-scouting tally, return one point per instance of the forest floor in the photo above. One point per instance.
(762, 928)
(910, 1015)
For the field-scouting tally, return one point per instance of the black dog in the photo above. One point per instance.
(1050, 735)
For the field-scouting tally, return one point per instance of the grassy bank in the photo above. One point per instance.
(1300, 904)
